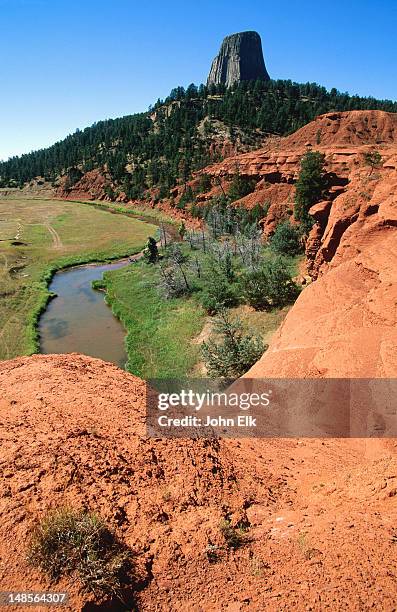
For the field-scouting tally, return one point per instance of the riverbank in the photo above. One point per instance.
(40, 237)
(160, 332)
(165, 335)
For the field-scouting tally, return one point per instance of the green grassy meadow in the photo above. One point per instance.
(160, 339)
(164, 335)
(38, 237)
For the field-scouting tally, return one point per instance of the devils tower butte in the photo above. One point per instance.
(240, 59)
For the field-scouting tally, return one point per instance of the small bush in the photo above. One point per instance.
(373, 159)
(234, 536)
(235, 353)
(78, 543)
(212, 553)
(286, 240)
(98, 285)
(270, 286)
(218, 292)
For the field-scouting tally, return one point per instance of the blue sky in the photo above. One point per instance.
(65, 64)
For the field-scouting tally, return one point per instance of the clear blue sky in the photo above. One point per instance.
(65, 64)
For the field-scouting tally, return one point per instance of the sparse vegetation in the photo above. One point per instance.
(74, 543)
(373, 159)
(212, 553)
(230, 352)
(234, 536)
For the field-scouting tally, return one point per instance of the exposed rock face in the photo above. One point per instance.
(240, 59)
(343, 137)
(343, 324)
(89, 187)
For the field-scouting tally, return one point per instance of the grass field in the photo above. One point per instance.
(160, 340)
(38, 237)
(164, 336)
(148, 214)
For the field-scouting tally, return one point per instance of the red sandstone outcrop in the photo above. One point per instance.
(345, 323)
(343, 137)
(89, 187)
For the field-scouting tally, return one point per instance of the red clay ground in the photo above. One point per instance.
(321, 516)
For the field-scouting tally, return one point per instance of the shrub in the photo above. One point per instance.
(212, 553)
(241, 186)
(217, 291)
(235, 353)
(269, 286)
(98, 285)
(373, 159)
(309, 186)
(78, 543)
(286, 240)
(234, 536)
(182, 230)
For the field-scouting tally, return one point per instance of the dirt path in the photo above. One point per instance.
(57, 242)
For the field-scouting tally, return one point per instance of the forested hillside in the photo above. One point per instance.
(164, 145)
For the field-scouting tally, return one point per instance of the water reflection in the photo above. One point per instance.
(78, 320)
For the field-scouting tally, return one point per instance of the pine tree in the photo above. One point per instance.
(235, 353)
(310, 186)
(151, 252)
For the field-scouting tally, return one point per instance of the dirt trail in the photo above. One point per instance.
(57, 242)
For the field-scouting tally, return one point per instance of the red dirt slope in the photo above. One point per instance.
(345, 323)
(321, 516)
(347, 128)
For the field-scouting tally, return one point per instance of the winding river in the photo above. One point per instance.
(78, 320)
